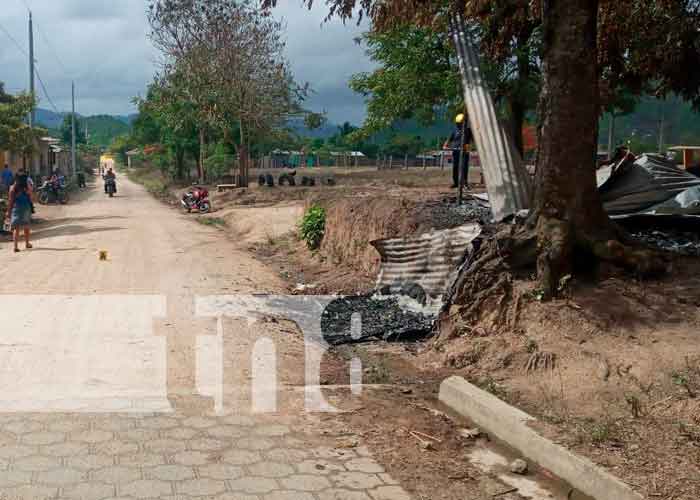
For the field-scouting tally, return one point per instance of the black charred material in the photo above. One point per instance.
(382, 319)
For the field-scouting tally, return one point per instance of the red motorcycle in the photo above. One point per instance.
(196, 199)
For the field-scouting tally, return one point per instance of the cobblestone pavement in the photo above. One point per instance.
(233, 457)
(68, 335)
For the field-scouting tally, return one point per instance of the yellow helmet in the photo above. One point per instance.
(459, 118)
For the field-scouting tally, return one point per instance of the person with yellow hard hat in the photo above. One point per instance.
(454, 143)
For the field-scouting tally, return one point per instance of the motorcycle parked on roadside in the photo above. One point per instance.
(196, 199)
(53, 191)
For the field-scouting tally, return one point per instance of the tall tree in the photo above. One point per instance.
(167, 117)
(231, 56)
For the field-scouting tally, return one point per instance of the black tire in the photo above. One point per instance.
(205, 208)
(269, 180)
(261, 180)
(43, 198)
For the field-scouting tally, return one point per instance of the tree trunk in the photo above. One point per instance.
(180, 163)
(517, 110)
(200, 163)
(568, 211)
(242, 180)
(517, 102)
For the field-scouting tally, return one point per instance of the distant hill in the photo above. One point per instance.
(128, 119)
(49, 119)
(326, 130)
(102, 128)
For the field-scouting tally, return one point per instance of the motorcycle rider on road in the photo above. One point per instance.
(110, 175)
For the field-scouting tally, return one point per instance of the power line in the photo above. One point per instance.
(46, 93)
(14, 40)
(50, 47)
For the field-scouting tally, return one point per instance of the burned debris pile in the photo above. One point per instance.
(414, 277)
(379, 318)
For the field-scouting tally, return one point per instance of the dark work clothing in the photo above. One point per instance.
(455, 168)
(455, 140)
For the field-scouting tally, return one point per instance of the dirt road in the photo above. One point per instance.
(118, 379)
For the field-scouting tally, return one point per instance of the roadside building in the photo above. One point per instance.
(690, 156)
(132, 157)
(48, 155)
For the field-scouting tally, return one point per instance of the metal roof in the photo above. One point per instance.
(506, 179)
(430, 260)
(649, 181)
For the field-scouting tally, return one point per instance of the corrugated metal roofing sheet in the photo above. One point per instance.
(430, 260)
(637, 187)
(506, 178)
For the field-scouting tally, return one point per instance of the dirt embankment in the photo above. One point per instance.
(612, 371)
(352, 223)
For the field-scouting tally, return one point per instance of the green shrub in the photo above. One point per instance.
(313, 227)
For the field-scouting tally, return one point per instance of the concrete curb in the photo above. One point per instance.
(510, 426)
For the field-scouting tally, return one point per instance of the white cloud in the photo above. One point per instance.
(104, 47)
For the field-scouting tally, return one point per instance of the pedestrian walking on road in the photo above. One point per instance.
(19, 210)
(7, 179)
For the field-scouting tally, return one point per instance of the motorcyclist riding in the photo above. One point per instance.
(110, 175)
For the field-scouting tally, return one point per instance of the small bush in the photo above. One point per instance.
(313, 227)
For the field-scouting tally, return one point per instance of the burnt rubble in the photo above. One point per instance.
(382, 318)
(682, 243)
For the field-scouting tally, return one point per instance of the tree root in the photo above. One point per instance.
(485, 286)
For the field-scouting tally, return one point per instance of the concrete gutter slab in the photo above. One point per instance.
(510, 425)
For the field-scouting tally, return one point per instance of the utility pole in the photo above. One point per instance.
(32, 115)
(72, 150)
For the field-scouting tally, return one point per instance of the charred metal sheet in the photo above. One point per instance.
(642, 185)
(686, 203)
(429, 260)
(506, 178)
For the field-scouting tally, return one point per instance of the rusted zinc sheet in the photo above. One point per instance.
(430, 260)
(642, 185)
(506, 178)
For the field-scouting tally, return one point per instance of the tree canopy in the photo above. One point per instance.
(67, 131)
(228, 59)
(15, 133)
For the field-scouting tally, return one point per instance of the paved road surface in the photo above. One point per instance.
(114, 383)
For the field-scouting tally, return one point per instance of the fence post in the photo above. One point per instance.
(424, 164)
(391, 161)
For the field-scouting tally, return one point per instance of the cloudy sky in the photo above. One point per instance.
(102, 45)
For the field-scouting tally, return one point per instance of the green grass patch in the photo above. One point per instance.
(212, 221)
